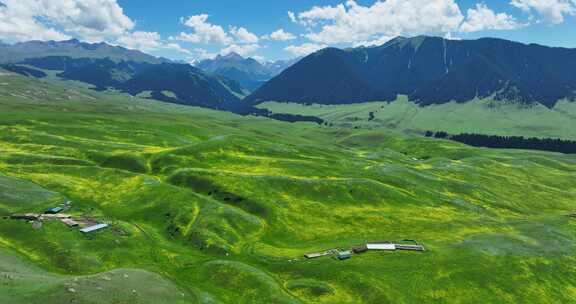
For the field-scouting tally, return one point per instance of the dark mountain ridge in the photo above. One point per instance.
(189, 85)
(430, 70)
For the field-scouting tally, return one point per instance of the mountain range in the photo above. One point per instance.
(429, 70)
(249, 72)
(112, 67)
(73, 48)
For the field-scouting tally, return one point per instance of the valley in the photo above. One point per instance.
(287, 152)
(482, 116)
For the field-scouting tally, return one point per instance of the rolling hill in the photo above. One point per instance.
(211, 207)
(429, 70)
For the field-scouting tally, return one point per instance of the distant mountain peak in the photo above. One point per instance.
(232, 56)
(249, 72)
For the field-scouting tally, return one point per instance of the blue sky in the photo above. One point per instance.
(280, 29)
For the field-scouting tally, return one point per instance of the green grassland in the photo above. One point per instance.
(210, 207)
(478, 116)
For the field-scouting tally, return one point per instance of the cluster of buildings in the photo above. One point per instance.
(84, 225)
(374, 246)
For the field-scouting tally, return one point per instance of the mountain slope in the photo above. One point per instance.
(429, 70)
(332, 78)
(189, 86)
(278, 66)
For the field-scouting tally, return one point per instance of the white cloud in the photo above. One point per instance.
(201, 54)
(212, 34)
(204, 32)
(325, 13)
(46, 19)
(147, 42)
(88, 20)
(352, 23)
(483, 18)
(243, 50)
(292, 17)
(20, 25)
(374, 42)
(304, 49)
(553, 11)
(242, 35)
(280, 35)
(355, 24)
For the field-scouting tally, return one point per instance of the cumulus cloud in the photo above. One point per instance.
(18, 24)
(304, 49)
(374, 42)
(280, 35)
(242, 35)
(483, 18)
(292, 16)
(204, 32)
(88, 20)
(553, 11)
(351, 22)
(56, 20)
(147, 42)
(234, 40)
(237, 38)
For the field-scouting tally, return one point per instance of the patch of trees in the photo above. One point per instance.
(509, 142)
(296, 118)
(371, 116)
(24, 71)
(278, 116)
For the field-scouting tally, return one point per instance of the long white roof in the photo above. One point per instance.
(381, 246)
(93, 228)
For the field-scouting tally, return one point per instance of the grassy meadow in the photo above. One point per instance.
(479, 116)
(210, 207)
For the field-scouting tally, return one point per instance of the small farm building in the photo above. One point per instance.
(54, 210)
(344, 255)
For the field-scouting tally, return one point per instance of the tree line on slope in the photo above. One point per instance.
(509, 142)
